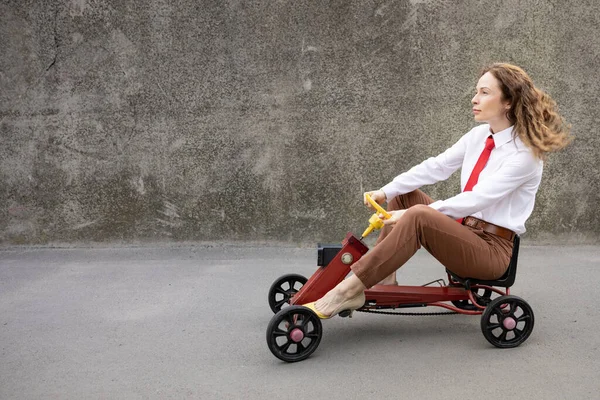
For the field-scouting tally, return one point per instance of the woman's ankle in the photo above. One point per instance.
(388, 281)
(350, 287)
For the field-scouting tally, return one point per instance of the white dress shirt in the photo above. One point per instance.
(505, 192)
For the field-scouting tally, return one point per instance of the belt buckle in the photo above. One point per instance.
(470, 221)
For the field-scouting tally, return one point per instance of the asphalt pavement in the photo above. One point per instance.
(189, 322)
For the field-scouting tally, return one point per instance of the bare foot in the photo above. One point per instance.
(349, 294)
(329, 303)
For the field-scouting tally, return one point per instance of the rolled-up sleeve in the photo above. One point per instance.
(512, 173)
(430, 171)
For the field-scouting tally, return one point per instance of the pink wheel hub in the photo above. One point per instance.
(509, 323)
(297, 335)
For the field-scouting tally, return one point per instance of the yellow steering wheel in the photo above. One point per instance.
(375, 222)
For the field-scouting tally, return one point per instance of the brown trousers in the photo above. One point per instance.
(467, 252)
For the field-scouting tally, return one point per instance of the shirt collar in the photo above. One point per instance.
(502, 137)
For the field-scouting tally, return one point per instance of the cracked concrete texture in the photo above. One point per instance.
(162, 121)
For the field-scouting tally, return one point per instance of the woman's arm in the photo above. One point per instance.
(514, 172)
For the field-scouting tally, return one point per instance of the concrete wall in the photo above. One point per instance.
(266, 120)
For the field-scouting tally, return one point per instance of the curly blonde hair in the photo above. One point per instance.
(533, 112)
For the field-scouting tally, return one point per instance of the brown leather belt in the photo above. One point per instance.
(489, 227)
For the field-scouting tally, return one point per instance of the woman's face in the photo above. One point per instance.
(488, 105)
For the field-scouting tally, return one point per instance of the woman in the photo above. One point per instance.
(501, 161)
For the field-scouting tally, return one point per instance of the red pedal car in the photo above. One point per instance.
(295, 332)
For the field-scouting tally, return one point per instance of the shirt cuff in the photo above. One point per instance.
(390, 193)
(436, 205)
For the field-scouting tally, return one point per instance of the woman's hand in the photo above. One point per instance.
(396, 215)
(377, 195)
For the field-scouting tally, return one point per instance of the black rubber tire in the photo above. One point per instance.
(291, 318)
(496, 333)
(276, 289)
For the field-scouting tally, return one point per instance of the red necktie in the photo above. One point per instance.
(483, 159)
